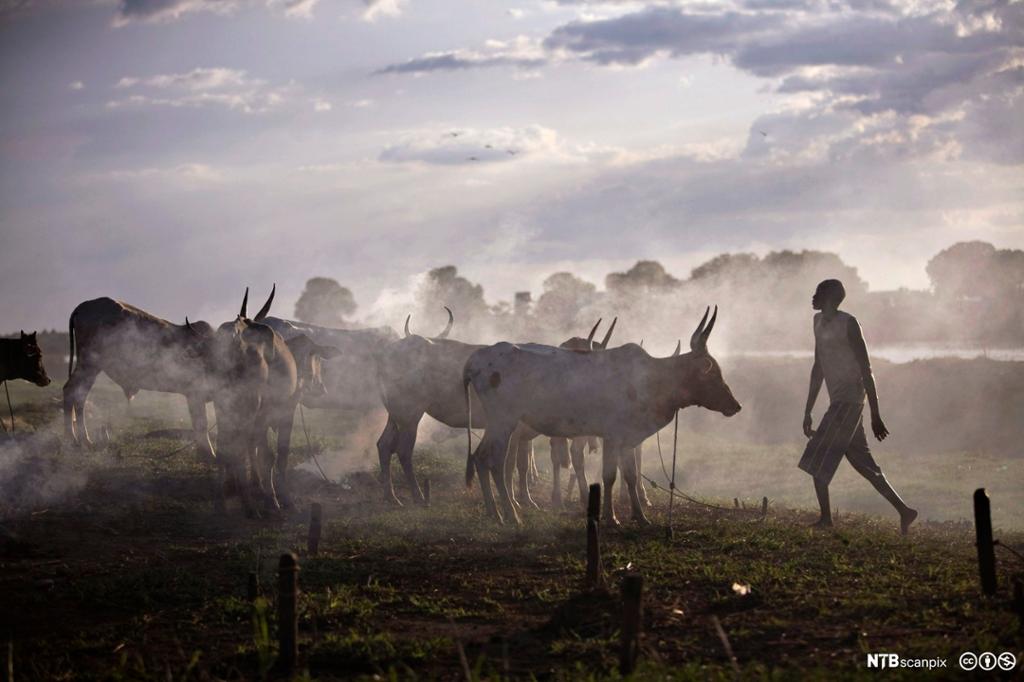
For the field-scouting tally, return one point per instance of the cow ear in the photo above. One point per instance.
(22, 333)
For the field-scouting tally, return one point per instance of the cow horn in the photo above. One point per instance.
(608, 335)
(188, 326)
(711, 325)
(266, 306)
(448, 327)
(590, 336)
(407, 318)
(641, 343)
(679, 348)
(697, 341)
(245, 303)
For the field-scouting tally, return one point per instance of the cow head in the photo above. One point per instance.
(704, 377)
(27, 361)
(308, 356)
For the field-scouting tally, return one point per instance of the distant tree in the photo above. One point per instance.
(444, 286)
(726, 266)
(564, 296)
(976, 270)
(325, 302)
(645, 275)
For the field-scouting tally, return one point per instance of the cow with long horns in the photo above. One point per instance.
(256, 380)
(622, 395)
(138, 351)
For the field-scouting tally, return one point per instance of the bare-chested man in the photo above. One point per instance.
(841, 360)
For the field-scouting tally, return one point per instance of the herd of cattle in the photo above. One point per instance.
(256, 371)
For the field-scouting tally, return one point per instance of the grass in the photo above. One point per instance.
(127, 573)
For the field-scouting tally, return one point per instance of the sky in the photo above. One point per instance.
(169, 153)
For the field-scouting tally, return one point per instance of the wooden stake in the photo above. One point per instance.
(287, 614)
(736, 502)
(595, 576)
(632, 616)
(986, 550)
(1018, 600)
(254, 587)
(315, 516)
(764, 507)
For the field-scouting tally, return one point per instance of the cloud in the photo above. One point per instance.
(229, 88)
(457, 147)
(156, 11)
(76, 85)
(522, 52)
(377, 9)
(914, 76)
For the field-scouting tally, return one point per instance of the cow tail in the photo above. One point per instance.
(71, 344)
(470, 468)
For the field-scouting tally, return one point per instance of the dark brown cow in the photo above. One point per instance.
(21, 358)
(138, 351)
(256, 381)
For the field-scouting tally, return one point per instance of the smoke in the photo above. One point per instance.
(34, 474)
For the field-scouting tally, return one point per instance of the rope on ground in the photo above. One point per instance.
(309, 445)
(182, 447)
(675, 492)
(1009, 549)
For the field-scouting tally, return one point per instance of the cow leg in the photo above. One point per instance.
(576, 452)
(200, 427)
(387, 444)
(406, 445)
(76, 390)
(280, 468)
(534, 471)
(641, 488)
(262, 462)
(509, 468)
(524, 462)
(483, 474)
(609, 465)
(492, 454)
(559, 459)
(628, 463)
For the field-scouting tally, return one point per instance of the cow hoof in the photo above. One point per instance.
(641, 520)
(393, 501)
(610, 522)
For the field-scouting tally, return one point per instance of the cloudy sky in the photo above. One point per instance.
(170, 152)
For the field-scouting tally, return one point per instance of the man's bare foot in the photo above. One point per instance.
(907, 518)
(821, 524)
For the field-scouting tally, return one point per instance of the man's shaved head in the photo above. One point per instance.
(829, 290)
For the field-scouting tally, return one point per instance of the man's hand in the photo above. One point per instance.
(808, 431)
(878, 426)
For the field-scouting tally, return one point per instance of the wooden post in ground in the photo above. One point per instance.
(632, 616)
(426, 491)
(736, 502)
(595, 576)
(315, 522)
(287, 613)
(253, 590)
(1018, 600)
(764, 507)
(986, 550)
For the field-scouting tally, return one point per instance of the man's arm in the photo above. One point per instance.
(812, 393)
(860, 352)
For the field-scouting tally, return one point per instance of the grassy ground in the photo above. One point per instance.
(121, 570)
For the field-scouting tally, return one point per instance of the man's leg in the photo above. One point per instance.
(821, 490)
(860, 457)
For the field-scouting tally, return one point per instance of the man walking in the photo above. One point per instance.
(841, 360)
